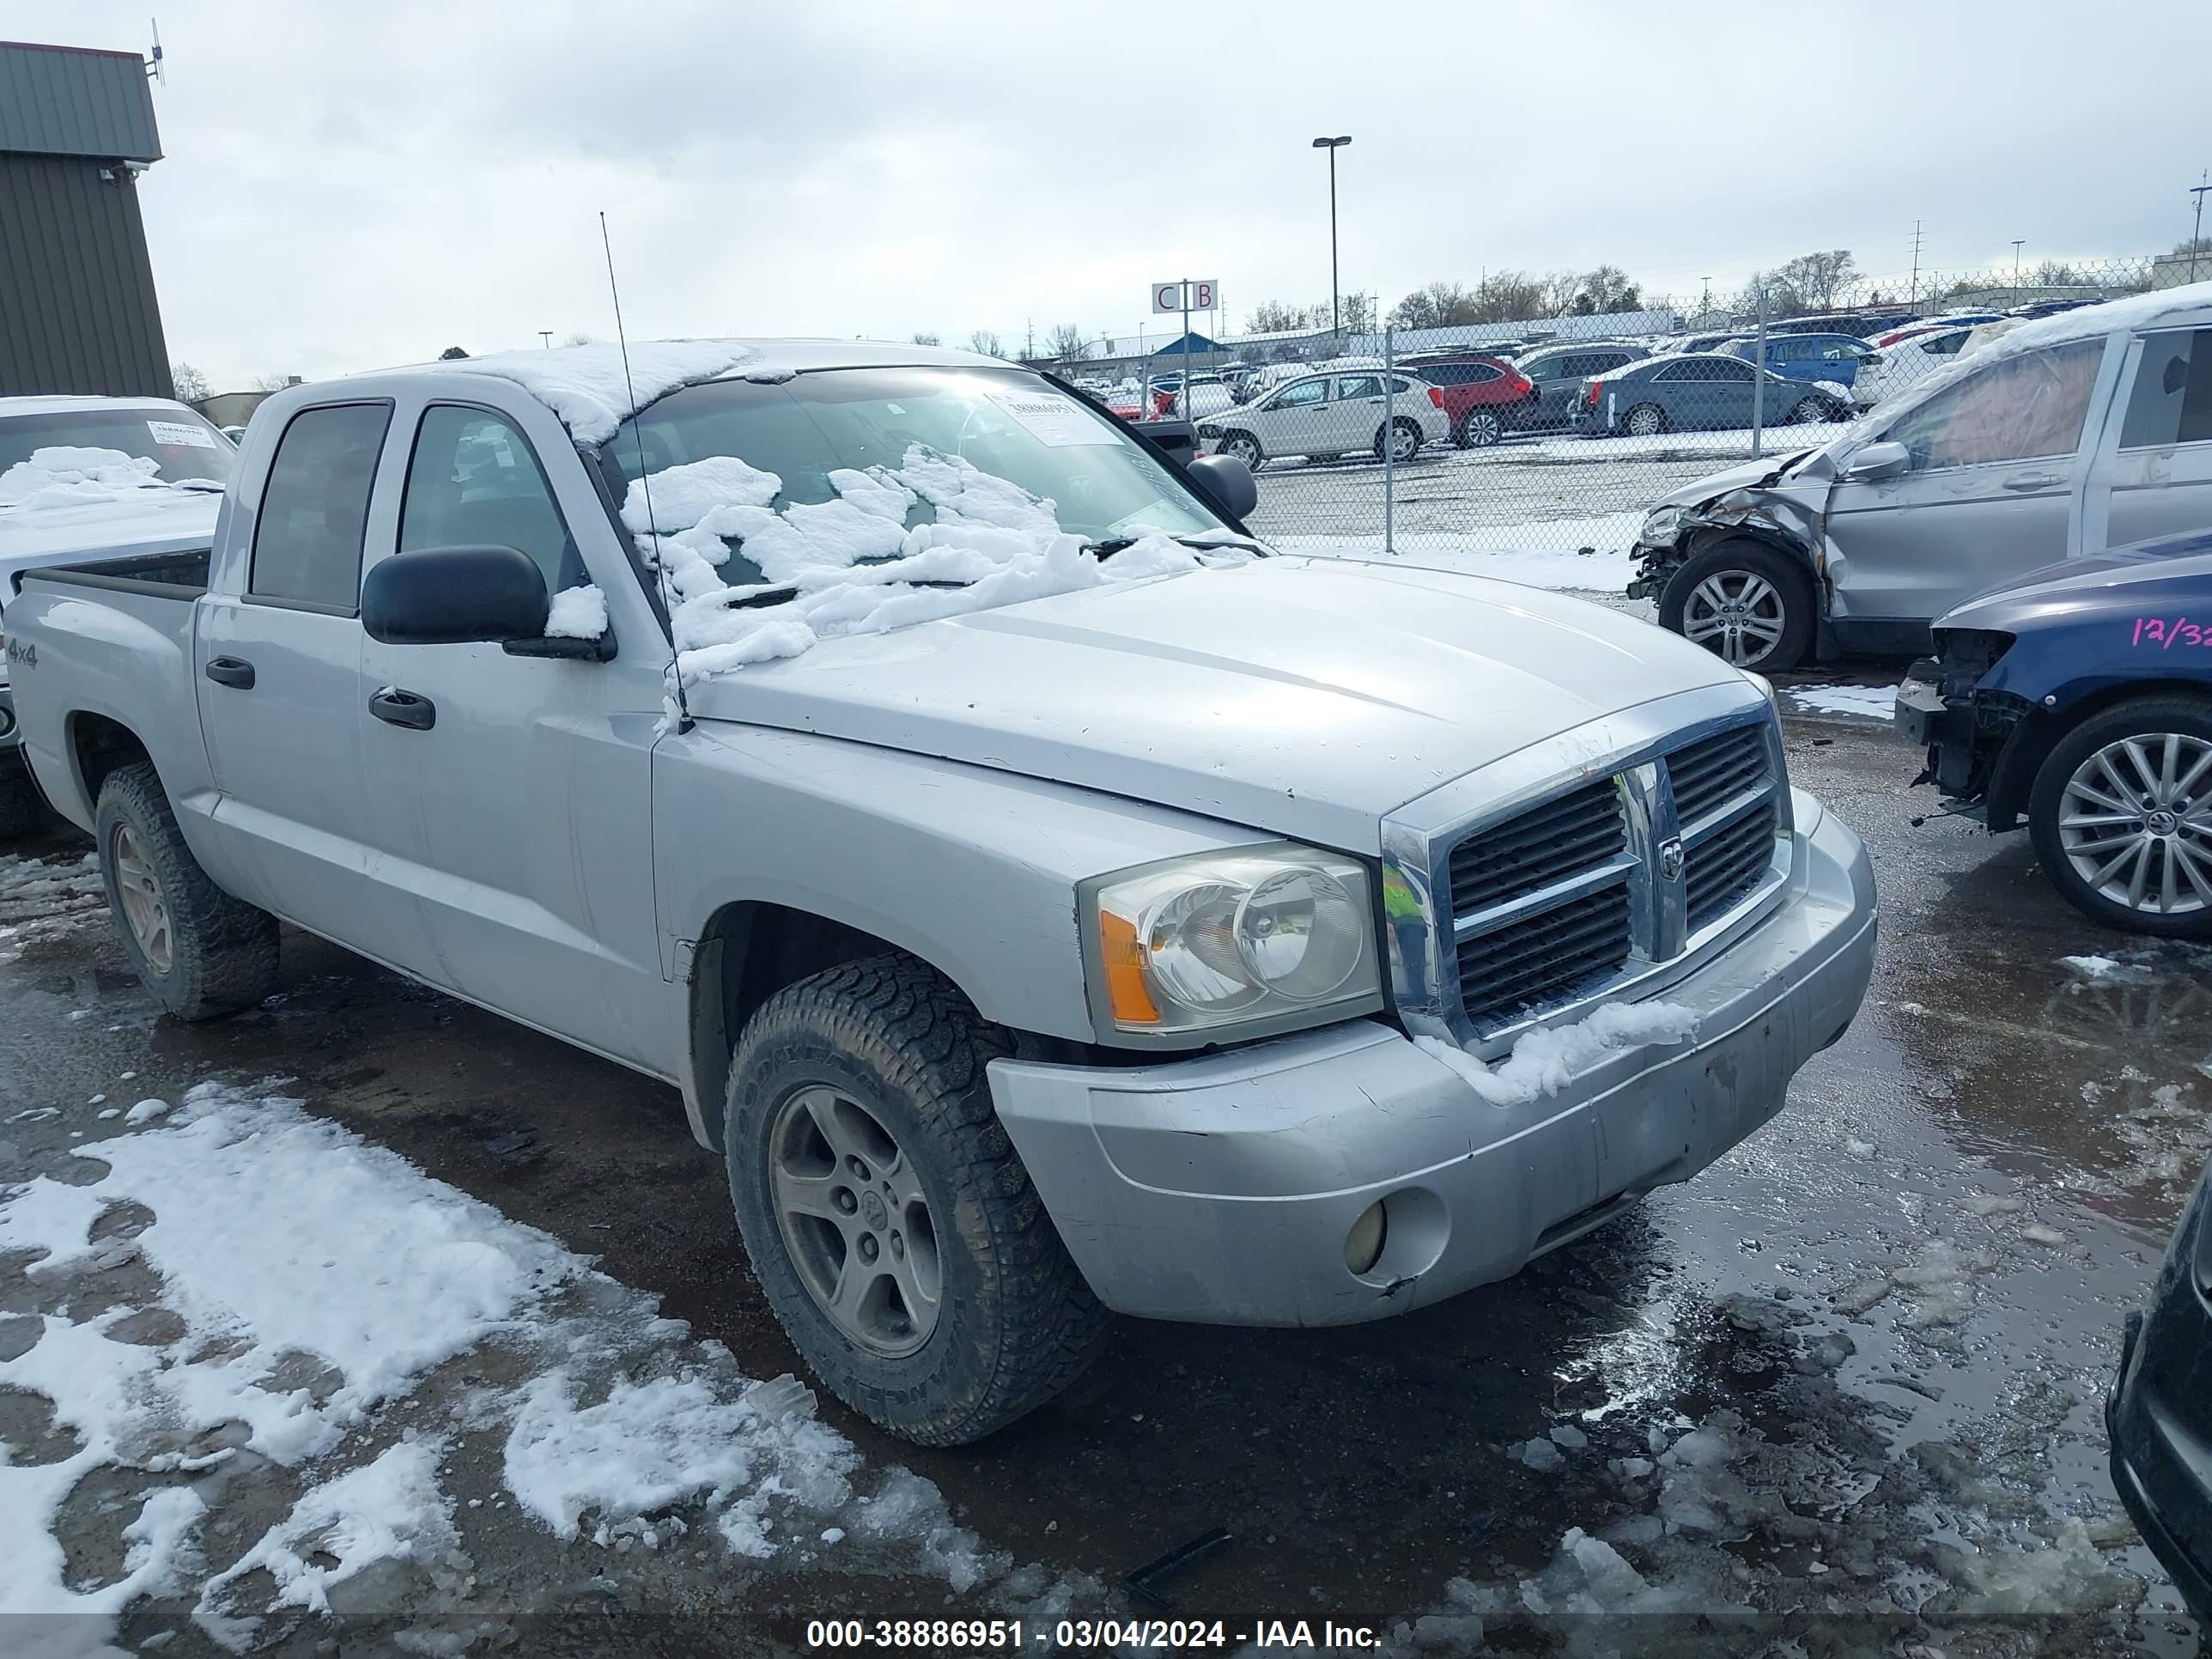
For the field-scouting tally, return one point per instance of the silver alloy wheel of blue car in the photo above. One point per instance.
(1737, 614)
(2136, 823)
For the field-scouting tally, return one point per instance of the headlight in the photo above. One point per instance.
(1661, 526)
(1271, 936)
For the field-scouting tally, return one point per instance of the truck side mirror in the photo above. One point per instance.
(1877, 461)
(454, 596)
(1226, 482)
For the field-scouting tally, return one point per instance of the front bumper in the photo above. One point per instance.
(2159, 1415)
(1220, 1189)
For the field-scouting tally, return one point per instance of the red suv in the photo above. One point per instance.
(1477, 391)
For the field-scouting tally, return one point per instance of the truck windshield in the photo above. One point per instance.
(183, 448)
(1101, 485)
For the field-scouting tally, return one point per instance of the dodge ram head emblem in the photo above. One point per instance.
(1670, 858)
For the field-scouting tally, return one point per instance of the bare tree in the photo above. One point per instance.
(1067, 341)
(577, 339)
(1508, 296)
(274, 382)
(1810, 282)
(984, 343)
(1440, 305)
(452, 354)
(1560, 289)
(191, 384)
(1273, 316)
(1607, 289)
(925, 339)
(1357, 311)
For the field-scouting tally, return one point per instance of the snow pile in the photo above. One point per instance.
(309, 1292)
(41, 900)
(1874, 701)
(577, 613)
(70, 475)
(811, 571)
(2103, 971)
(1546, 1060)
(594, 390)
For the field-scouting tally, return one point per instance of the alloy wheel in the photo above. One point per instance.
(1645, 422)
(1737, 614)
(855, 1220)
(145, 911)
(2136, 823)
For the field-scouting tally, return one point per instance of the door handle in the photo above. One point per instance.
(2035, 481)
(396, 708)
(233, 671)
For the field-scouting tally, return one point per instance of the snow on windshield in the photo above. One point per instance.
(72, 475)
(851, 565)
(593, 389)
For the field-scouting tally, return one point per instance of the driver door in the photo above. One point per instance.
(1989, 493)
(1291, 422)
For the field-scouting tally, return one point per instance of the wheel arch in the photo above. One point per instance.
(99, 745)
(748, 950)
(2020, 763)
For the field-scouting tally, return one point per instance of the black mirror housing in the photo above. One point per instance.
(1226, 482)
(454, 596)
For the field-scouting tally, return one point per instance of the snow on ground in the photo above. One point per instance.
(244, 1297)
(41, 898)
(1874, 701)
(1509, 552)
(811, 571)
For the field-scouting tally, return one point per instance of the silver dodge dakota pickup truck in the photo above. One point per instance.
(1050, 902)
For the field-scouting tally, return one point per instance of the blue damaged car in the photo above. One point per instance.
(2078, 699)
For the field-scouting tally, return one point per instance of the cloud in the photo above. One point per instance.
(350, 187)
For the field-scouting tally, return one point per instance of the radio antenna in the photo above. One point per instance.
(659, 564)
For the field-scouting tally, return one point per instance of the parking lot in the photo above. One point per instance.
(1839, 1395)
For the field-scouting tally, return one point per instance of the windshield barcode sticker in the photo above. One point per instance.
(176, 432)
(1053, 420)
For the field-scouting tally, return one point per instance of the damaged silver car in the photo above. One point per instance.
(2080, 431)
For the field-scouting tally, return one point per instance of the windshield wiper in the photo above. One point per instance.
(1107, 549)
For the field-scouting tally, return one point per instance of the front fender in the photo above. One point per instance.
(971, 869)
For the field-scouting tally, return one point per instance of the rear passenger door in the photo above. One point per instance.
(1355, 413)
(2154, 478)
(517, 817)
(280, 689)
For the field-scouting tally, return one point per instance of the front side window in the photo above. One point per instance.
(2171, 402)
(1299, 394)
(1730, 370)
(2026, 406)
(1842, 351)
(307, 536)
(472, 482)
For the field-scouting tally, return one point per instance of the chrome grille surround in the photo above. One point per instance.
(1716, 735)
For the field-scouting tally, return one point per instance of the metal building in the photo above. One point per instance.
(77, 308)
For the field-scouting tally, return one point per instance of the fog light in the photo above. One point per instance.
(1362, 1245)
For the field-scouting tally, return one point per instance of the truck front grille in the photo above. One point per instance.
(1579, 892)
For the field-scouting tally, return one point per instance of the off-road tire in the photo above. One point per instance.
(1018, 1323)
(1788, 578)
(223, 951)
(2143, 715)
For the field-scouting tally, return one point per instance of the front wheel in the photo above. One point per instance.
(1480, 429)
(2121, 817)
(1743, 601)
(1243, 446)
(199, 949)
(1404, 438)
(886, 1213)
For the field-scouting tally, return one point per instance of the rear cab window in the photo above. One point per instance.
(307, 534)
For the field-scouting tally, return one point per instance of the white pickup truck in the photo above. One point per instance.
(82, 477)
(1047, 899)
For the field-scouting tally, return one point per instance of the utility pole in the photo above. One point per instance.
(1912, 296)
(546, 335)
(2196, 232)
(2016, 242)
(1332, 145)
(1706, 304)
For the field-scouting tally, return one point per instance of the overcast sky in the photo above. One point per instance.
(352, 185)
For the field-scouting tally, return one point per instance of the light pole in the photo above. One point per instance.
(546, 335)
(2016, 241)
(2197, 236)
(1332, 145)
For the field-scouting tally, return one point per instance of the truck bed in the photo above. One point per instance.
(159, 576)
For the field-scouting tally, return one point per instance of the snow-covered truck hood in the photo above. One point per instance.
(160, 520)
(1304, 697)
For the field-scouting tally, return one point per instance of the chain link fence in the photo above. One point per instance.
(1539, 444)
